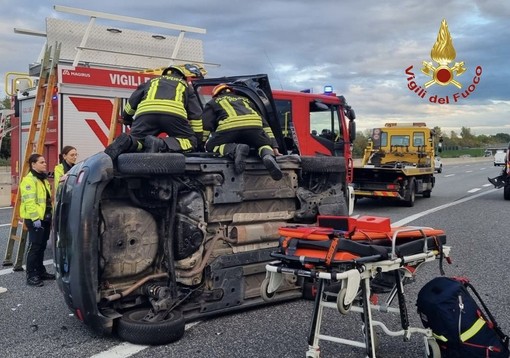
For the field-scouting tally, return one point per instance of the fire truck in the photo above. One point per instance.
(92, 74)
(310, 124)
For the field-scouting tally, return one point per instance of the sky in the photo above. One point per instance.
(370, 51)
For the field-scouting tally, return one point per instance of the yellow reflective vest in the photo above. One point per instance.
(57, 174)
(33, 197)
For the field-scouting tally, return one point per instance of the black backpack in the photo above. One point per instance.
(460, 327)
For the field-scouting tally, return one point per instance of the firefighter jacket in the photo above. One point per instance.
(229, 111)
(34, 194)
(165, 95)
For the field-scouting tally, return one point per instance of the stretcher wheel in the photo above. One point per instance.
(342, 308)
(434, 350)
(263, 291)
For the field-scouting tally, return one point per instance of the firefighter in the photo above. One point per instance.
(236, 126)
(165, 104)
(36, 210)
(500, 180)
(67, 159)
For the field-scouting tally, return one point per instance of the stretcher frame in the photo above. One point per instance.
(355, 282)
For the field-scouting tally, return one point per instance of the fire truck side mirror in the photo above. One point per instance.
(352, 131)
(349, 113)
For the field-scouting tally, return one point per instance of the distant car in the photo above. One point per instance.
(438, 164)
(499, 157)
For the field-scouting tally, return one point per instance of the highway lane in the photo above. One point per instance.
(36, 323)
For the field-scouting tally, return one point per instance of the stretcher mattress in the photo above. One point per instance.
(328, 246)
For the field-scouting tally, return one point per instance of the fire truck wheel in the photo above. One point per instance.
(132, 327)
(151, 163)
(323, 164)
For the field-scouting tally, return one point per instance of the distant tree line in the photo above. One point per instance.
(451, 141)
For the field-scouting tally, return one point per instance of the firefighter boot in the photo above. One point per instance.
(120, 145)
(154, 144)
(273, 167)
(240, 154)
(498, 181)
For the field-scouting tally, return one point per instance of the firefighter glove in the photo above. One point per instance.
(37, 224)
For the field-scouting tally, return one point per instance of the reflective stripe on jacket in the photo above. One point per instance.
(167, 95)
(33, 197)
(229, 111)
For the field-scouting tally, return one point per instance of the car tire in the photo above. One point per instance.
(323, 164)
(133, 329)
(506, 192)
(151, 163)
(440, 170)
(410, 194)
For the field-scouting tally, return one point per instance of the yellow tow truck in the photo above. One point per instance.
(398, 163)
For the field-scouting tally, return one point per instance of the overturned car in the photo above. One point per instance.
(153, 240)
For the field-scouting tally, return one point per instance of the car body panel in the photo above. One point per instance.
(499, 158)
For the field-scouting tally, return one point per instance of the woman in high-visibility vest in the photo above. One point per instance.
(35, 208)
(67, 159)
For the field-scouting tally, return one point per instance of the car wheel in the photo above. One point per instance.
(151, 163)
(426, 194)
(323, 164)
(133, 328)
(440, 170)
(506, 192)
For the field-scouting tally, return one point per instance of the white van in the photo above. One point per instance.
(499, 157)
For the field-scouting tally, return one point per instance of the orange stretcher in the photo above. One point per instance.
(318, 245)
(356, 252)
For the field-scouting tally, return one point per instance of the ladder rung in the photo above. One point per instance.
(15, 238)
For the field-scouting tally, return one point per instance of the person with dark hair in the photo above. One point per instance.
(67, 159)
(236, 125)
(164, 104)
(35, 208)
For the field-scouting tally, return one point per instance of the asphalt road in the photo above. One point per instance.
(35, 322)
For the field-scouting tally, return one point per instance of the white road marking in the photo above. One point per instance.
(474, 190)
(404, 221)
(487, 184)
(469, 171)
(449, 175)
(122, 350)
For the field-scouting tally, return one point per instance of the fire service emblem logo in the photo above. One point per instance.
(443, 53)
(440, 73)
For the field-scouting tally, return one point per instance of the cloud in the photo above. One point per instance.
(360, 48)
